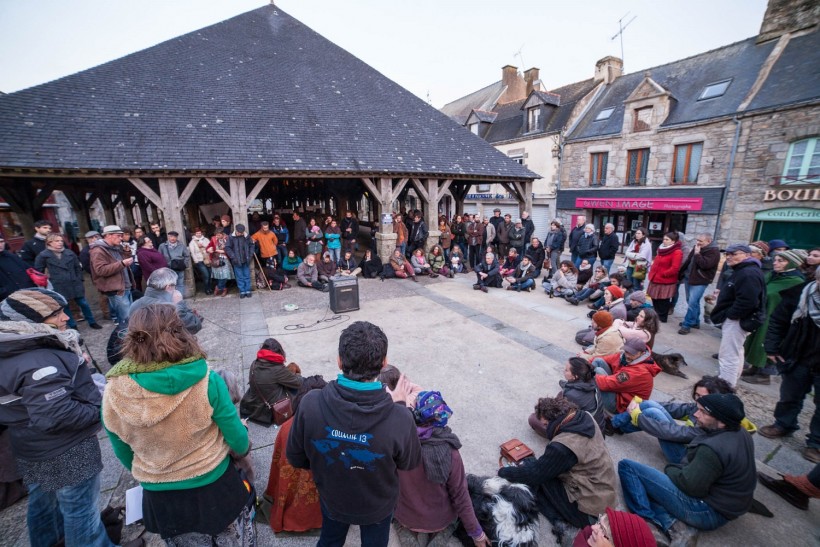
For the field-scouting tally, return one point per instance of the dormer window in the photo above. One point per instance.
(604, 114)
(533, 118)
(474, 128)
(716, 89)
(643, 118)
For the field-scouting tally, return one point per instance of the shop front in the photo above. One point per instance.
(652, 209)
(798, 226)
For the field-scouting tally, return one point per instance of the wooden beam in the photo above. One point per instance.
(372, 189)
(226, 197)
(442, 189)
(43, 194)
(260, 184)
(146, 191)
(189, 189)
(400, 186)
(419, 186)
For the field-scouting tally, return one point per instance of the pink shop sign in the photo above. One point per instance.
(641, 204)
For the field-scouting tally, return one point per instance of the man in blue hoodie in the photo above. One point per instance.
(354, 437)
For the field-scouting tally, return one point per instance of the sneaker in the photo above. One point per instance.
(691, 326)
(684, 330)
(683, 535)
(248, 295)
(483, 289)
(774, 431)
(572, 300)
(591, 306)
(95, 326)
(812, 454)
(476, 287)
(759, 378)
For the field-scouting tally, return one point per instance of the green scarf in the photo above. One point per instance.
(127, 366)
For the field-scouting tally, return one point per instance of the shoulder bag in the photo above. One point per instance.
(281, 410)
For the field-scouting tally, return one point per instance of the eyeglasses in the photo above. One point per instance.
(603, 522)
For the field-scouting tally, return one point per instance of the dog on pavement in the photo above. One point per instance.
(670, 363)
(507, 512)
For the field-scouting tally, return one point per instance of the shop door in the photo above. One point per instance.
(799, 235)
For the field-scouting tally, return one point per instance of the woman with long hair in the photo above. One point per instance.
(172, 423)
(638, 258)
(643, 328)
(564, 280)
(663, 276)
(221, 269)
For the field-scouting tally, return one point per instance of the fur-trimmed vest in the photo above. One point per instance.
(591, 481)
(173, 437)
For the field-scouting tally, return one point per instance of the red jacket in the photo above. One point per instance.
(636, 378)
(665, 267)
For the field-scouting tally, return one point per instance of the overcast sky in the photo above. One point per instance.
(438, 49)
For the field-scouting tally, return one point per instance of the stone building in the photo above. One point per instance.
(722, 142)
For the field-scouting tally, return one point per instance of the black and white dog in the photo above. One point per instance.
(506, 511)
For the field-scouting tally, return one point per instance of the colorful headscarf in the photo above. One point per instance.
(431, 410)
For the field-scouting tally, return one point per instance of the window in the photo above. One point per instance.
(481, 188)
(597, 168)
(638, 160)
(474, 128)
(802, 163)
(643, 116)
(518, 158)
(686, 164)
(604, 114)
(533, 117)
(716, 89)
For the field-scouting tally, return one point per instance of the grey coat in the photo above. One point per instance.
(65, 272)
(192, 322)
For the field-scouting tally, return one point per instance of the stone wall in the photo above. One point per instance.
(761, 157)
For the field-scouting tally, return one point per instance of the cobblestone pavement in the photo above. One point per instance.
(492, 355)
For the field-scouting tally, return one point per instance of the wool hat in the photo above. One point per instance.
(615, 291)
(795, 257)
(726, 407)
(240, 228)
(225, 218)
(638, 296)
(629, 530)
(761, 246)
(91, 233)
(431, 409)
(634, 346)
(111, 229)
(603, 319)
(31, 305)
(777, 243)
(738, 247)
(173, 233)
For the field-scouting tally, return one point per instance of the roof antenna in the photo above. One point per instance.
(520, 57)
(620, 33)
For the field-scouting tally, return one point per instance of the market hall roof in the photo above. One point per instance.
(259, 92)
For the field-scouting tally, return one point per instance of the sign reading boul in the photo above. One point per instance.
(802, 194)
(642, 204)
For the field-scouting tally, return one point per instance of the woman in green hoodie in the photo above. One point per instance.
(172, 424)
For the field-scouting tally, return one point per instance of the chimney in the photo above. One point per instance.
(785, 16)
(530, 76)
(515, 85)
(608, 69)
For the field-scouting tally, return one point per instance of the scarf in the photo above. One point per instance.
(809, 304)
(271, 356)
(127, 366)
(555, 425)
(436, 445)
(637, 243)
(670, 248)
(69, 339)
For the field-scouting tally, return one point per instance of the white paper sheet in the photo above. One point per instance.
(133, 505)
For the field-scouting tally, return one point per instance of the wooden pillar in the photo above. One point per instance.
(142, 207)
(106, 203)
(459, 192)
(128, 208)
(522, 192)
(27, 201)
(79, 203)
(431, 191)
(384, 194)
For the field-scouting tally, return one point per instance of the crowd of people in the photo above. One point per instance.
(371, 433)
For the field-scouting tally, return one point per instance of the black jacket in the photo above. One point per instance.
(587, 247)
(743, 295)
(529, 229)
(574, 235)
(354, 442)
(60, 405)
(240, 250)
(13, 276)
(267, 381)
(704, 267)
(31, 249)
(418, 232)
(536, 255)
(799, 342)
(555, 240)
(351, 223)
(587, 397)
(65, 273)
(608, 246)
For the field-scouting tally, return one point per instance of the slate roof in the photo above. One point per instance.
(260, 92)
(483, 99)
(685, 80)
(795, 77)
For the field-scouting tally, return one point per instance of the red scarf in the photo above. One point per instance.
(638, 244)
(271, 356)
(669, 250)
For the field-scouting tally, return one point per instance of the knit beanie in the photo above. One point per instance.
(761, 246)
(795, 257)
(629, 530)
(777, 243)
(31, 305)
(603, 319)
(726, 407)
(638, 296)
(431, 409)
(616, 292)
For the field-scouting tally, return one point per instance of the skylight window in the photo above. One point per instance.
(604, 114)
(714, 90)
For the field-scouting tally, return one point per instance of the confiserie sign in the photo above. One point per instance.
(643, 204)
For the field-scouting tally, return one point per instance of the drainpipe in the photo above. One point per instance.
(728, 175)
(560, 144)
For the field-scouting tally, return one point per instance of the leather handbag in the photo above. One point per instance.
(39, 279)
(514, 451)
(282, 410)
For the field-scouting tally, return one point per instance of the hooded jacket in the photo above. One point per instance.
(172, 428)
(59, 406)
(354, 440)
(240, 249)
(269, 380)
(743, 294)
(586, 396)
(629, 379)
(107, 270)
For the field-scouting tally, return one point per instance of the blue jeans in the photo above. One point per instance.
(673, 452)
(693, 295)
(205, 273)
(608, 398)
(243, 277)
(221, 283)
(526, 284)
(181, 282)
(650, 494)
(70, 512)
(335, 254)
(334, 532)
(85, 308)
(637, 285)
(120, 306)
(608, 264)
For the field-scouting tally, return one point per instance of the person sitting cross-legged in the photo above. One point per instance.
(523, 277)
(510, 263)
(714, 485)
(624, 375)
(399, 267)
(487, 273)
(307, 275)
(579, 387)
(606, 339)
